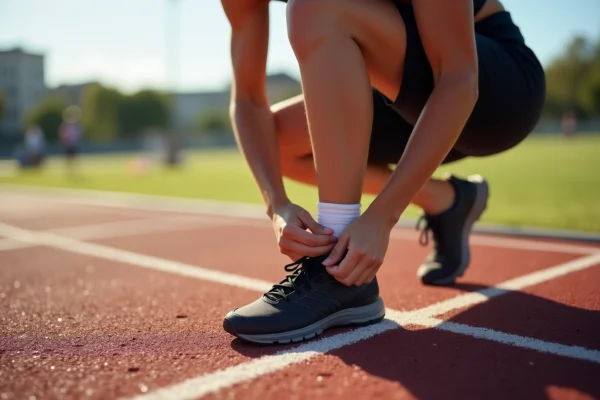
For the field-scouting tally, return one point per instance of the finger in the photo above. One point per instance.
(296, 233)
(338, 251)
(371, 277)
(355, 275)
(292, 256)
(313, 225)
(374, 271)
(290, 246)
(345, 268)
(366, 276)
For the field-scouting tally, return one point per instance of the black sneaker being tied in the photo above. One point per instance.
(303, 305)
(451, 254)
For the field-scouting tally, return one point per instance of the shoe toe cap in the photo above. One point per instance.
(229, 323)
(252, 318)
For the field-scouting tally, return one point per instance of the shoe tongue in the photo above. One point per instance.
(309, 268)
(314, 266)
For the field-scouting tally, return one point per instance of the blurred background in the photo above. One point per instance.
(133, 95)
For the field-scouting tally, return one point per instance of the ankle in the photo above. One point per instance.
(439, 198)
(337, 216)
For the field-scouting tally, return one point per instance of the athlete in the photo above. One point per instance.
(407, 84)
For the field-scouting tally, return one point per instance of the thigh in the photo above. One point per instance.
(511, 98)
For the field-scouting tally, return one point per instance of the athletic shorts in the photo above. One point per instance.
(511, 94)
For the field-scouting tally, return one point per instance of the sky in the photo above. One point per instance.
(131, 44)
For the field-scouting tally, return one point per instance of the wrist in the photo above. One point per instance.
(275, 201)
(386, 210)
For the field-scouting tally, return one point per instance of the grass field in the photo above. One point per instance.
(546, 182)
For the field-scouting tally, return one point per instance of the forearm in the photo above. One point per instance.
(439, 126)
(254, 129)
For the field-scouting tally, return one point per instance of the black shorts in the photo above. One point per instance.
(511, 94)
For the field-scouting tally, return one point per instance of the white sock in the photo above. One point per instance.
(337, 216)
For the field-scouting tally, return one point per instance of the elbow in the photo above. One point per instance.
(464, 84)
(472, 86)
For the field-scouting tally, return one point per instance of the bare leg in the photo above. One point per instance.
(342, 47)
(298, 164)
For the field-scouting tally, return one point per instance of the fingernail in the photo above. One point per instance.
(327, 260)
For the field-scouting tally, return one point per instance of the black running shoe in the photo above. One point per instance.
(303, 305)
(451, 254)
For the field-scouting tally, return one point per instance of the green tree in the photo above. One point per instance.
(48, 115)
(100, 112)
(1, 105)
(590, 92)
(572, 79)
(141, 111)
(214, 122)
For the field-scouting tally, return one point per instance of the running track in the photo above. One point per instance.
(103, 298)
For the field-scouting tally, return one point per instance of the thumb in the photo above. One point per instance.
(338, 252)
(313, 225)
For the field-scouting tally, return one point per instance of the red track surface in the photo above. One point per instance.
(84, 326)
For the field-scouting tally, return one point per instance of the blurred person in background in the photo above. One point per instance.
(569, 124)
(70, 134)
(32, 153)
(35, 145)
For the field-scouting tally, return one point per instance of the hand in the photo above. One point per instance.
(366, 241)
(291, 222)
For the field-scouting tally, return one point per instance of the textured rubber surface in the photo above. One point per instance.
(75, 326)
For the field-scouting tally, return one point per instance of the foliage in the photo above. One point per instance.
(213, 122)
(48, 115)
(110, 114)
(2, 105)
(573, 80)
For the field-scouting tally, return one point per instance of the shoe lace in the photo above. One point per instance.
(289, 284)
(426, 230)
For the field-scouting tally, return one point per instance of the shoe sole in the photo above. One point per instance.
(358, 316)
(481, 199)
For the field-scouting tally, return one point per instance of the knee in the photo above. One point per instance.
(310, 23)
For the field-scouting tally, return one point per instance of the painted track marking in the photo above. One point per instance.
(196, 387)
(113, 230)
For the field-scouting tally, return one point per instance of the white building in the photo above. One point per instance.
(22, 82)
(190, 105)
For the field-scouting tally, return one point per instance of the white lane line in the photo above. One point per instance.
(196, 387)
(524, 342)
(131, 258)
(516, 244)
(113, 230)
(522, 282)
(118, 229)
(9, 244)
(253, 213)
